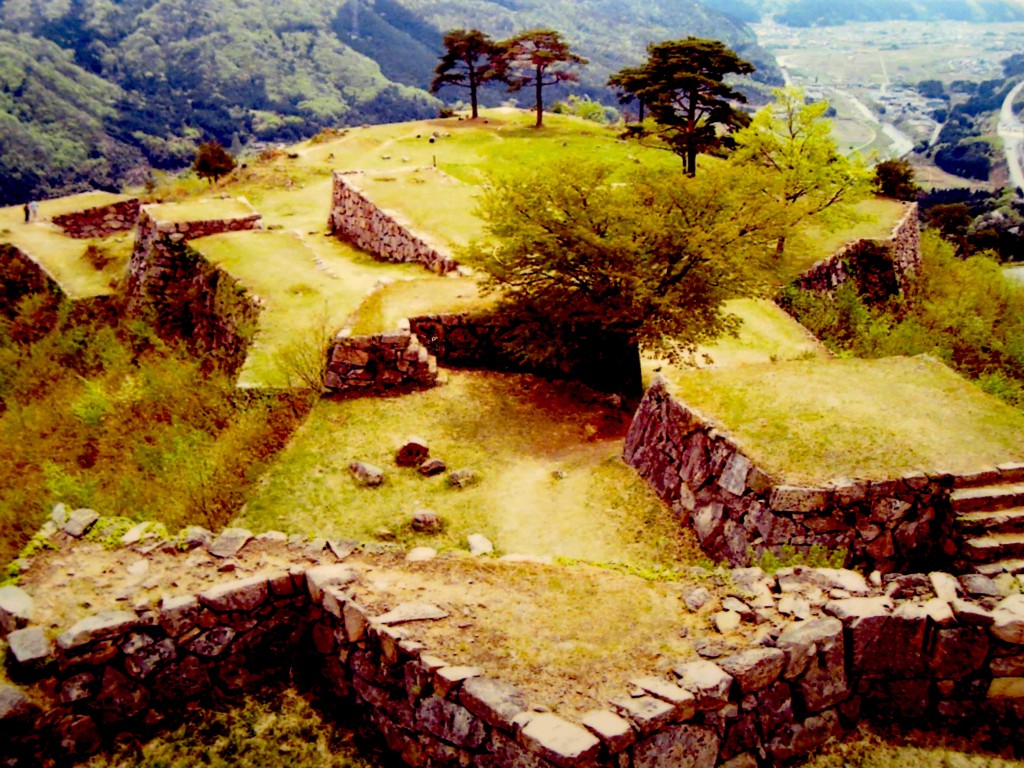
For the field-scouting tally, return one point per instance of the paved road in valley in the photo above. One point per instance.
(1011, 131)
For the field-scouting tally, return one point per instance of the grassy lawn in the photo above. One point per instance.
(303, 304)
(407, 298)
(515, 432)
(203, 209)
(813, 421)
(767, 334)
(877, 216)
(64, 257)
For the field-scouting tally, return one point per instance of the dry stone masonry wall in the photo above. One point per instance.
(879, 266)
(737, 510)
(825, 649)
(185, 296)
(356, 219)
(21, 276)
(101, 221)
(380, 364)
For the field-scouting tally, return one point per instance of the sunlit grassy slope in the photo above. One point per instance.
(516, 432)
(64, 257)
(813, 421)
(202, 209)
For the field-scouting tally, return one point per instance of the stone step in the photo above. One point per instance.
(993, 569)
(998, 521)
(998, 546)
(1012, 472)
(987, 497)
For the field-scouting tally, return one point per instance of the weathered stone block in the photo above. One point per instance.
(494, 702)
(323, 576)
(754, 669)
(614, 732)
(119, 698)
(684, 702)
(802, 641)
(734, 475)
(647, 713)
(681, 746)
(707, 681)
(803, 738)
(959, 652)
(1008, 620)
(242, 595)
(16, 609)
(97, 627)
(451, 722)
(448, 679)
(791, 498)
(563, 743)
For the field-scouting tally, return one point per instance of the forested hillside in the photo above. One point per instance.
(92, 89)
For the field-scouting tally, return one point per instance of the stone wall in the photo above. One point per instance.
(358, 220)
(21, 276)
(184, 297)
(738, 510)
(827, 648)
(879, 266)
(381, 364)
(101, 221)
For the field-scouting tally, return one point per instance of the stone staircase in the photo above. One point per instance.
(989, 517)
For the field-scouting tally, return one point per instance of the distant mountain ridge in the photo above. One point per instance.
(124, 85)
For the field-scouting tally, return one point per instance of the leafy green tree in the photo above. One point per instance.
(212, 161)
(626, 82)
(682, 85)
(537, 58)
(468, 62)
(585, 261)
(791, 144)
(895, 179)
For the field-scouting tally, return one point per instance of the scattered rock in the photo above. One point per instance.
(59, 514)
(408, 612)
(432, 467)
(426, 521)
(479, 544)
(384, 534)
(230, 542)
(367, 474)
(726, 621)
(696, 598)
(29, 648)
(80, 521)
(413, 453)
(342, 548)
(134, 534)
(421, 555)
(738, 606)
(463, 478)
(711, 649)
(195, 536)
(16, 609)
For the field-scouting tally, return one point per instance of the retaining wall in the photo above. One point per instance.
(101, 221)
(385, 363)
(880, 266)
(737, 509)
(357, 219)
(21, 276)
(185, 297)
(827, 649)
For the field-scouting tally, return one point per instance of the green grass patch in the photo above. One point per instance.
(813, 421)
(516, 432)
(303, 304)
(66, 258)
(80, 202)
(408, 298)
(766, 334)
(203, 209)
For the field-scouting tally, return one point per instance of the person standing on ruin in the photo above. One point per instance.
(28, 212)
(33, 209)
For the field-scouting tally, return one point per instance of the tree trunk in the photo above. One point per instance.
(472, 99)
(780, 247)
(540, 97)
(640, 116)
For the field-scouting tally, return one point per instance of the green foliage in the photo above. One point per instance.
(682, 84)
(212, 161)
(817, 556)
(587, 109)
(895, 179)
(581, 256)
(537, 59)
(962, 311)
(468, 62)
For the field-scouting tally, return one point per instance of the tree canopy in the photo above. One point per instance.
(537, 58)
(895, 179)
(802, 169)
(583, 258)
(468, 62)
(212, 161)
(682, 85)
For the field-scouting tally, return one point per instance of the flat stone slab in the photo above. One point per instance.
(479, 544)
(323, 576)
(755, 669)
(241, 595)
(563, 743)
(615, 732)
(230, 542)
(97, 627)
(16, 608)
(408, 612)
(707, 681)
(421, 555)
(29, 647)
(494, 702)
